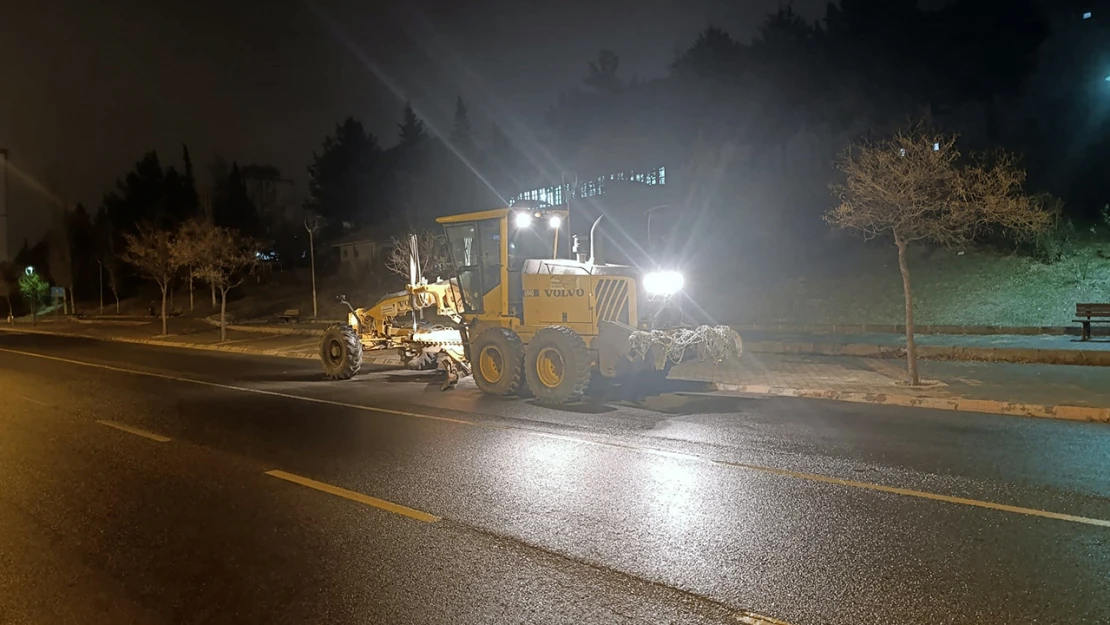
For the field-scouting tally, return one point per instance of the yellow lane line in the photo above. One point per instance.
(751, 618)
(647, 450)
(136, 431)
(382, 504)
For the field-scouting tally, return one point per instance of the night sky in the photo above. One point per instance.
(87, 87)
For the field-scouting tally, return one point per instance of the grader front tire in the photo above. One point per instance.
(341, 352)
(498, 354)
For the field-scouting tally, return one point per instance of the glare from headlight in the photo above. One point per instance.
(663, 283)
(352, 320)
(523, 220)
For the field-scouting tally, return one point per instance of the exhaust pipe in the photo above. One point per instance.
(592, 229)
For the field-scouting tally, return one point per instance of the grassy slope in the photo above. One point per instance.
(851, 284)
(976, 288)
(252, 300)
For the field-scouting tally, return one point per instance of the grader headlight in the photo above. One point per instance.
(663, 283)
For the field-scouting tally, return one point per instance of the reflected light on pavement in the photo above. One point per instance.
(551, 454)
(550, 463)
(672, 490)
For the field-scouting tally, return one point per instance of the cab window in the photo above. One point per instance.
(476, 253)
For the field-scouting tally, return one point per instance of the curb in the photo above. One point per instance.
(212, 348)
(374, 360)
(113, 322)
(157, 343)
(1020, 355)
(266, 330)
(962, 404)
(886, 328)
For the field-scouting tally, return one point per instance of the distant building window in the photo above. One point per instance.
(936, 147)
(557, 195)
(1087, 15)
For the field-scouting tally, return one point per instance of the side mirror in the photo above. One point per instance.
(342, 299)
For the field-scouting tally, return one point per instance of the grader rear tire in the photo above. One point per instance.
(557, 365)
(341, 352)
(498, 357)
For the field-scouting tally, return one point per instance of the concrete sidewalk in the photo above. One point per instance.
(1014, 348)
(1048, 391)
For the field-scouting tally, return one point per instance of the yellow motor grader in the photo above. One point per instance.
(523, 321)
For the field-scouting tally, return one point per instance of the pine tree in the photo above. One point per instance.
(462, 137)
(235, 209)
(412, 127)
(188, 181)
(342, 185)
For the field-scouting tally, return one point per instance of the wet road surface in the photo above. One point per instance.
(148, 485)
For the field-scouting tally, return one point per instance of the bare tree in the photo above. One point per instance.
(151, 252)
(112, 267)
(431, 250)
(189, 246)
(208, 218)
(226, 260)
(913, 187)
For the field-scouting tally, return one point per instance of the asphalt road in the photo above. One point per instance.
(147, 485)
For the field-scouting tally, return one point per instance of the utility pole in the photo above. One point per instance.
(312, 224)
(3, 205)
(100, 271)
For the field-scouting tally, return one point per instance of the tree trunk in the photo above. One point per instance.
(72, 303)
(34, 313)
(100, 273)
(190, 291)
(911, 347)
(213, 285)
(65, 303)
(223, 315)
(117, 301)
(11, 316)
(165, 330)
(312, 260)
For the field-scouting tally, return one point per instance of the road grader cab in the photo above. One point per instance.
(525, 322)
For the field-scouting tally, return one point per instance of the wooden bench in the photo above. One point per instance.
(291, 315)
(1087, 314)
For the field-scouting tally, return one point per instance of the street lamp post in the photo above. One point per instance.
(100, 273)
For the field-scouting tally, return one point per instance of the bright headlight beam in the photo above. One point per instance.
(555, 222)
(523, 220)
(665, 283)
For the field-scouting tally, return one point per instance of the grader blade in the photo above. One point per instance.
(702, 354)
(709, 354)
(729, 372)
